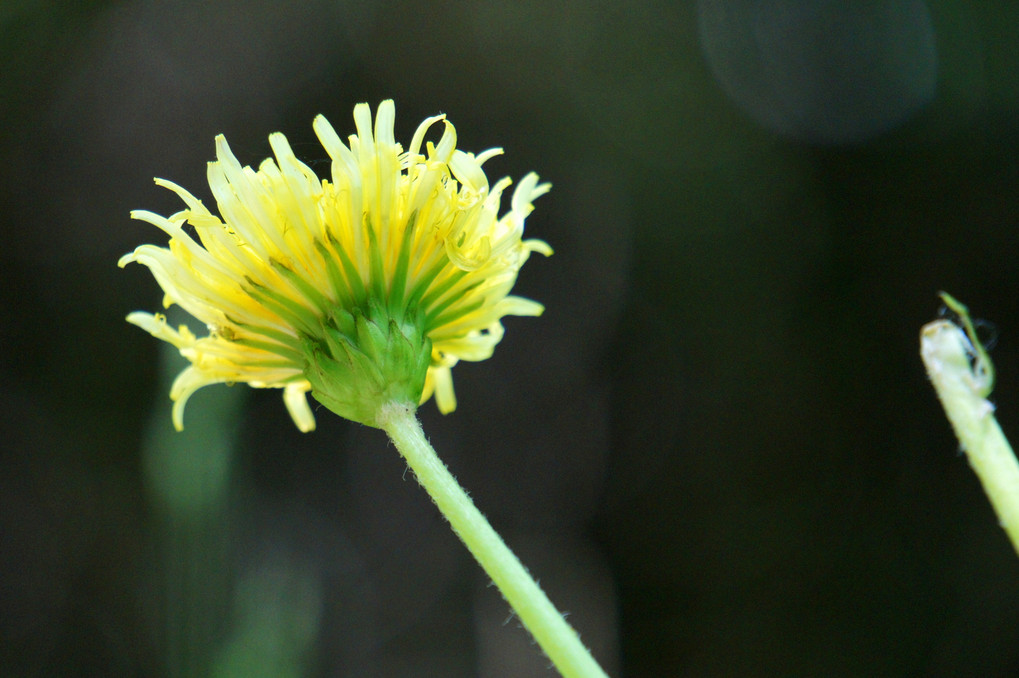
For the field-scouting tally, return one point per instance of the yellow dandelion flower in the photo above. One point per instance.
(363, 289)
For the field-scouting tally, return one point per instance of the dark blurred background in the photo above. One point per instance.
(717, 450)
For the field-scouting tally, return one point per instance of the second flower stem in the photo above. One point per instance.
(962, 375)
(557, 638)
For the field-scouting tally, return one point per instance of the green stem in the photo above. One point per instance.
(559, 641)
(960, 372)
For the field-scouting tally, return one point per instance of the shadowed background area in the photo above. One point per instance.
(716, 450)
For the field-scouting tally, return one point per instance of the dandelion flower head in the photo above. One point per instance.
(363, 288)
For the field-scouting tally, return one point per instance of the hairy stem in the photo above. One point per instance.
(559, 641)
